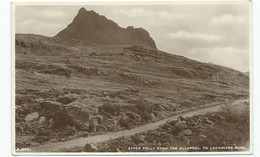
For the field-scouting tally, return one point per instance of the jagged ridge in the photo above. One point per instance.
(92, 27)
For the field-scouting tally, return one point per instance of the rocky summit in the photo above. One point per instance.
(92, 27)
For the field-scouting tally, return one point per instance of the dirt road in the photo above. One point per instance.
(80, 142)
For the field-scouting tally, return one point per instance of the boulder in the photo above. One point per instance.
(142, 137)
(42, 119)
(124, 123)
(95, 111)
(163, 134)
(34, 143)
(137, 140)
(221, 117)
(152, 116)
(137, 117)
(196, 119)
(51, 123)
(187, 132)
(175, 130)
(49, 105)
(90, 147)
(203, 136)
(99, 119)
(180, 125)
(149, 138)
(180, 119)
(171, 122)
(130, 115)
(122, 115)
(31, 116)
(210, 122)
(100, 127)
(83, 134)
(92, 124)
(166, 126)
(63, 139)
(180, 134)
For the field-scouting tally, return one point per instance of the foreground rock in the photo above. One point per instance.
(90, 147)
(31, 116)
(187, 132)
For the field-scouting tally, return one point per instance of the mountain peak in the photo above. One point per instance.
(92, 27)
(82, 10)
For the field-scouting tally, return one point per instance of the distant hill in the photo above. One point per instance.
(92, 27)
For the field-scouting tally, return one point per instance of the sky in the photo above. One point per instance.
(215, 33)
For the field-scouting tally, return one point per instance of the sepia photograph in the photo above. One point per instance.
(127, 78)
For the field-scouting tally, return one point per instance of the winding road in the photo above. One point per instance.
(80, 142)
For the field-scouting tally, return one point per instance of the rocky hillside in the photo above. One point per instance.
(212, 132)
(92, 27)
(68, 88)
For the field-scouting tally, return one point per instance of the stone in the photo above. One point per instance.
(63, 139)
(187, 132)
(152, 116)
(209, 122)
(203, 136)
(166, 126)
(99, 119)
(34, 143)
(31, 116)
(180, 134)
(196, 119)
(42, 119)
(149, 138)
(163, 134)
(137, 140)
(137, 117)
(83, 134)
(51, 123)
(180, 125)
(100, 128)
(180, 119)
(90, 147)
(122, 115)
(175, 130)
(142, 137)
(70, 137)
(171, 122)
(95, 111)
(221, 117)
(206, 118)
(49, 105)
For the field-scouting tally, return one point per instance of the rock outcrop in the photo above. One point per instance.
(90, 147)
(92, 27)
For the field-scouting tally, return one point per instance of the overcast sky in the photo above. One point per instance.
(208, 33)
